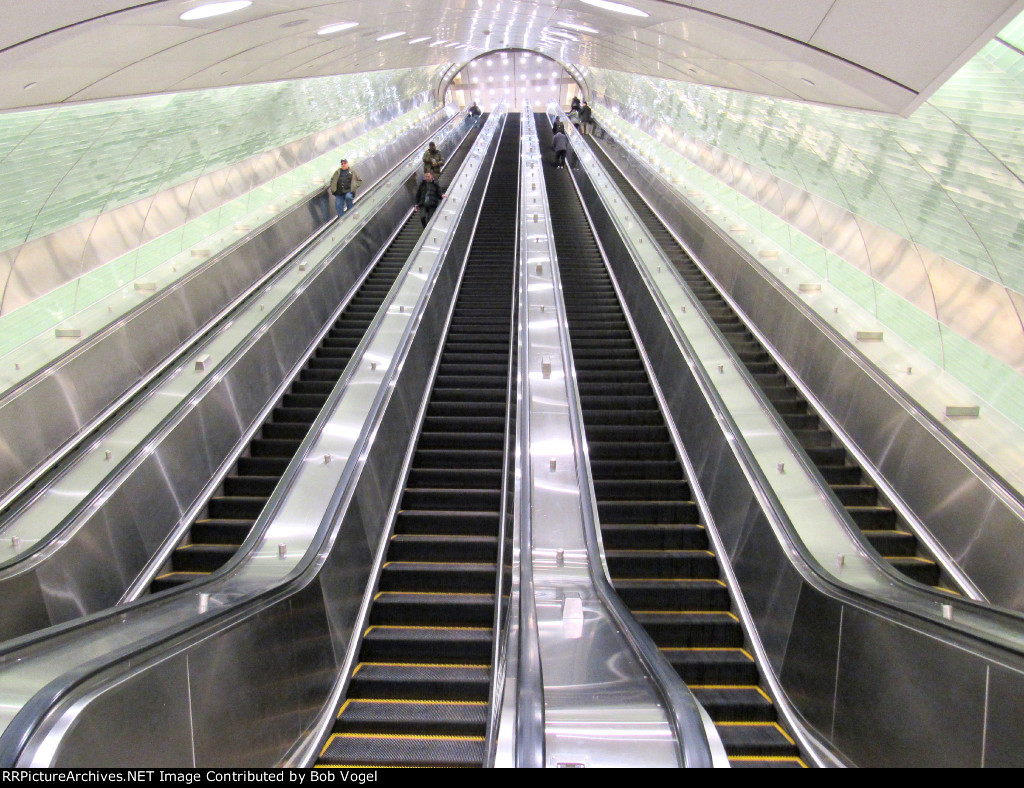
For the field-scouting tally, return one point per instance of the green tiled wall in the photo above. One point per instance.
(58, 166)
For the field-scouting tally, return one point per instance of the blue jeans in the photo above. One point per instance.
(343, 202)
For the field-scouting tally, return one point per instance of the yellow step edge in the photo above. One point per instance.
(770, 759)
(760, 691)
(412, 700)
(416, 665)
(735, 724)
(432, 629)
(404, 737)
(649, 552)
(169, 574)
(669, 580)
(687, 612)
(908, 558)
(433, 593)
(742, 651)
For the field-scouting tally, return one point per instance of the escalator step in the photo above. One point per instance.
(471, 478)
(660, 594)
(446, 547)
(923, 570)
(452, 499)
(235, 507)
(648, 512)
(893, 543)
(415, 576)
(201, 557)
(397, 608)
(251, 485)
(421, 682)
(679, 628)
(684, 536)
(636, 470)
(630, 564)
(453, 645)
(764, 740)
(727, 703)
(291, 432)
(355, 750)
(262, 466)
(713, 666)
(873, 518)
(458, 458)
(460, 718)
(221, 531)
(413, 521)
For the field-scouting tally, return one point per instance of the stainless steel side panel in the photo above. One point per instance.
(964, 505)
(48, 411)
(90, 567)
(884, 688)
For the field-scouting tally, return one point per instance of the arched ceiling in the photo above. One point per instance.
(885, 55)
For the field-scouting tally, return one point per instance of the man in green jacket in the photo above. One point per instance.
(344, 184)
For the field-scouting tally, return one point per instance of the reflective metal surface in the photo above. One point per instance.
(44, 416)
(303, 601)
(90, 534)
(964, 506)
(807, 630)
(601, 704)
(697, 740)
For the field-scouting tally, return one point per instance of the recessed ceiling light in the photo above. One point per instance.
(452, 44)
(214, 9)
(420, 40)
(326, 31)
(387, 36)
(619, 8)
(574, 26)
(439, 43)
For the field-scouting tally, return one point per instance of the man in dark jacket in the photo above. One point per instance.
(428, 197)
(586, 119)
(344, 184)
(561, 144)
(474, 113)
(575, 104)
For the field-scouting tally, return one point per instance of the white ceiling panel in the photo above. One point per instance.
(871, 54)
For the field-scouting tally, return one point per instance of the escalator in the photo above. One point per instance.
(230, 515)
(657, 550)
(881, 525)
(418, 694)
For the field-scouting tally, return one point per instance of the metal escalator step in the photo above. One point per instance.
(456, 645)
(873, 518)
(315, 401)
(174, 579)
(841, 474)
(409, 608)
(412, 521)
(644, 536)
(292, 432)
(354, 750)
(761, 739)
(627, 450)
(321, 387)
(641, 490)
(263, 466)
(893, 543)
(632, 564)
(727, 703)
(438, 409)
(250, 485)
(420, 681)
(201, 557)
(440, 577)
(692, 628)
(631, 417)
(636, 470)
(274, 447)
(648, 512)
(454, 478)
(856, 494)
(461, 440)
(923, 570)
(443, 547)
(220, 531)
(415, 717)
(295, 415)
(671, 594)
(458, 458)
(713, 666)
(235, 507)
(452, 499)
(756, 762)
(489, 395)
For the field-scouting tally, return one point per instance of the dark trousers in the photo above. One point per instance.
(559, 158)
(426, 212)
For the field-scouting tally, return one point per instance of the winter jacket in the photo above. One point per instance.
(345, 181)
(586, 114)
(428, 195)
(560, 142)
(433, 161)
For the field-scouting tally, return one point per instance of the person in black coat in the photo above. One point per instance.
(428, 197)
(586, 119)
(575, 104)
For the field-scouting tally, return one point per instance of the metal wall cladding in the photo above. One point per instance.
(880, 691)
